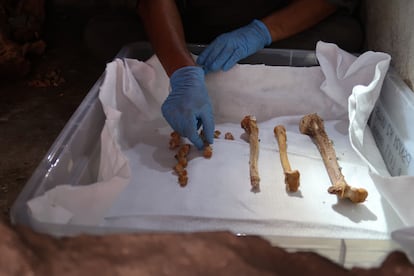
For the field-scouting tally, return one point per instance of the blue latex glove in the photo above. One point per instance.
(188, 106)
(227, 49)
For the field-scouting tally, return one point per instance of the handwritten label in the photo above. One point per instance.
(396, 156)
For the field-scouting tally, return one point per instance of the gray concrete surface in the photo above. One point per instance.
(389, 28)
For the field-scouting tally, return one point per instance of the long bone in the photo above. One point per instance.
(292, 177)
(313, 126)
(250, 127)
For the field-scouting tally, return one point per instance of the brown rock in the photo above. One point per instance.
(396, 263)
(15, 257)
(25, 252)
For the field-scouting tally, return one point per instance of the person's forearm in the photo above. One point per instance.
(165, 32)
(296, 17)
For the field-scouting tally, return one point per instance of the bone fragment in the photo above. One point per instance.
(181, 156)
(175, 140)
(180, 167)
(228, 136)
(208, 151)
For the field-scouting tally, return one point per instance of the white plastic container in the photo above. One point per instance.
(74, 156)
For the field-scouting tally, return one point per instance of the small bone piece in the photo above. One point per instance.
(291, 176)
(228, 136)
(175, 140)
(208, 151)
(313, 126)
(250, 127)
(179, 168)
(183, 178)
(217, 134)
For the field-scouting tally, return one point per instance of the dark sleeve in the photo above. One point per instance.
(349, 5)
(181, 5)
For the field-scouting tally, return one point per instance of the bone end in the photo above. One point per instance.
(356, 195)
(310, 123)
(292, 181)
(255, 182)
(246, 123)
(279, 130)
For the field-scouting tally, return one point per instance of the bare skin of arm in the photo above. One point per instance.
(296, 17)
(163, 24)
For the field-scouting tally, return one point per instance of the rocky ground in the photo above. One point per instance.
(26, 253)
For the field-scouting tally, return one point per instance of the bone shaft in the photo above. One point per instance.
(254, 155)
(285, 161)
(328, 154)
(281, 140)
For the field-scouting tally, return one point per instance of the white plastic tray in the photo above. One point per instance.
(74, 156)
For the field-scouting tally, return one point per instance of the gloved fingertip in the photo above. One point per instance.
(228, 66)
(215, 66)
(208, 130)
(201, 59)
(206, 70)
(197, 142)
(210, 138)
(194, 138)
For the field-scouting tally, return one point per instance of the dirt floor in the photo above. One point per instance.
(31, 118)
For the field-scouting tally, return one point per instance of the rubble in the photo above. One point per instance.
(21, 24)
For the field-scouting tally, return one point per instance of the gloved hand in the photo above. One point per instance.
(227, 49)
(188, 106)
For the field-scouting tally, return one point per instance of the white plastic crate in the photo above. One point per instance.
(74, 156)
